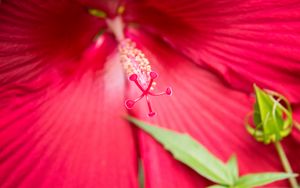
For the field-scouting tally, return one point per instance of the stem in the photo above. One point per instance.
(285, 163)
(297, 125)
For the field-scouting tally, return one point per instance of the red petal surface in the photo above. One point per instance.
(68, 132)
(243, 41)
(36, 36)
(203, 107)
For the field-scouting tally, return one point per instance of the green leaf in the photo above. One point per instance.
(217, 186)
(233, 167)
(259, 179)
(190, 152)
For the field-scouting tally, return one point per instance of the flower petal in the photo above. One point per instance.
(69, 135)
(246, 42)
(36, 36)
(203, 107)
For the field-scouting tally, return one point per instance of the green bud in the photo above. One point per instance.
(272, 117)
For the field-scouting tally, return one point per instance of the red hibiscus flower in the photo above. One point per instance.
(63, 89)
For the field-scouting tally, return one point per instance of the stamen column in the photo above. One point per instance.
(136, 66)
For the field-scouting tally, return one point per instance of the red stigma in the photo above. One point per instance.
(145, 92)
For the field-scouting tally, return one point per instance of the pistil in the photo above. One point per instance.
(139, 71)
(136, 66)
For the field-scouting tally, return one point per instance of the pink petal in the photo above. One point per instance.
(206, 109)
(36, 36)
(68, 133)
(245, 42)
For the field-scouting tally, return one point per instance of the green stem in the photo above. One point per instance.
(285, 163)
(297, 125)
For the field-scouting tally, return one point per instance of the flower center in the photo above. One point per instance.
(136, 66)
(139, 71)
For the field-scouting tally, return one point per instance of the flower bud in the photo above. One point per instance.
(272, 117)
